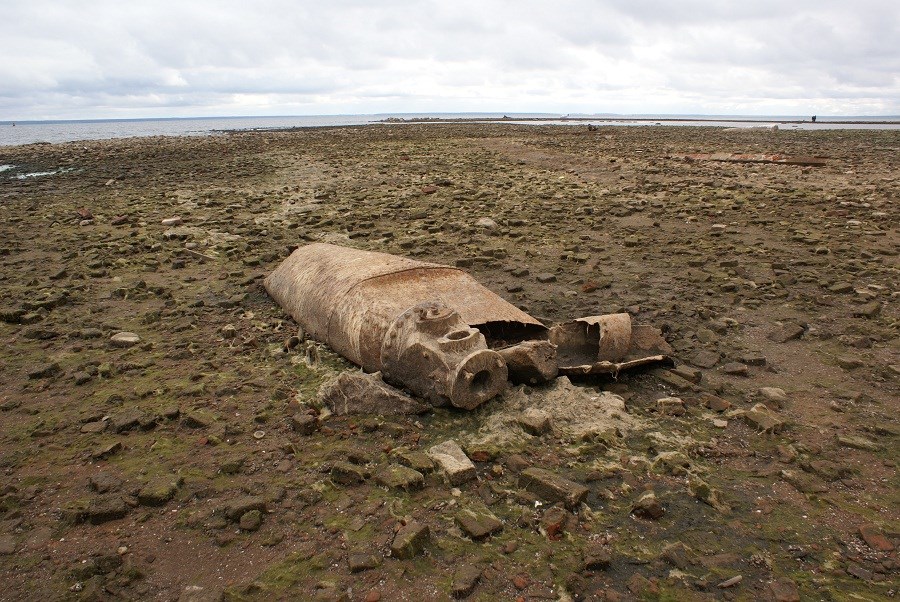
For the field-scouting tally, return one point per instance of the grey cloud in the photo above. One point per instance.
(197, 56)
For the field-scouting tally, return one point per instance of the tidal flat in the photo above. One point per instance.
(190, 458)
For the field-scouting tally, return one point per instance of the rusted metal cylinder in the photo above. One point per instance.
(350, 299)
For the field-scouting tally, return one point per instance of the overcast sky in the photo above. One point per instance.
(164, 58)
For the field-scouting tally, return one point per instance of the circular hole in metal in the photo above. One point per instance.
(481, 381)
(458, 335)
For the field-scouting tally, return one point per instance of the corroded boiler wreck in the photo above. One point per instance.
(436, 331)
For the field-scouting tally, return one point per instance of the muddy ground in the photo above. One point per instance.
(166, 466)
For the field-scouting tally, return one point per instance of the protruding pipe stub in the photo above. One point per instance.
(434, 354)
(479, 377)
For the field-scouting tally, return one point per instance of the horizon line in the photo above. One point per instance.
(543, 114)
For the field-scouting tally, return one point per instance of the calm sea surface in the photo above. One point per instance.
(28, 132)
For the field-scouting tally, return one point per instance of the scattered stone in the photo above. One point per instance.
(105, 451)
(596, 558)
(804, 483)
(478, 525)
(486, 223)
(868, 310)
(647, 506)
(104, 482)
(250, 520)
(44, 370)
(841, 288)
(196, 420)
(701, 490)
(875, 538)
(552, 488)
(345, 473)
(763, 419)
(8, 545)
(363, 561)
(106, 508)
(679, 555)
(714, 403)
(671, 462)
(410, 541)
(788, 332)
(858, 442)
(81, 378)
(453, 461)
(731, 582)
(546, 278)
(236, 508)
(172, 221)
(773, 395)
(688, 374)
(670, 406)
(124, 339)
(397, 476)
(784, 590)
(159, 491)
(416, 460)
(848, 362)
(125, 420)
(195, 593)
(705, 359)
(752, 359)
(304, 424)
(535, 422)
(736, 369)
(360, 393)
(465, 579)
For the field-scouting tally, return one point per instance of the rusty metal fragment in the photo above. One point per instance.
(754, 158)
(606, 344)
(531, 362)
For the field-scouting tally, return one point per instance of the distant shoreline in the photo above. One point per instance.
(630, 119)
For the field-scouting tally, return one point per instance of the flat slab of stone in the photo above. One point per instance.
(787, 332)
(124, 339)
(158, 491)
(551, 487)
(453, 461)
(478, 525)
(416, 460)
(705, 359)
(238, 507)
(763, 419)
(410, 541)
(397, 476)
(360, 393)
(347, 474)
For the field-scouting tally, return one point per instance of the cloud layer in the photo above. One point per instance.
(107, 58)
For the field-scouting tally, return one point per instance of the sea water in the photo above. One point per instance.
(29, 132)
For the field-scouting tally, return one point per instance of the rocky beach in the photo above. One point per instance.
(166, 431)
